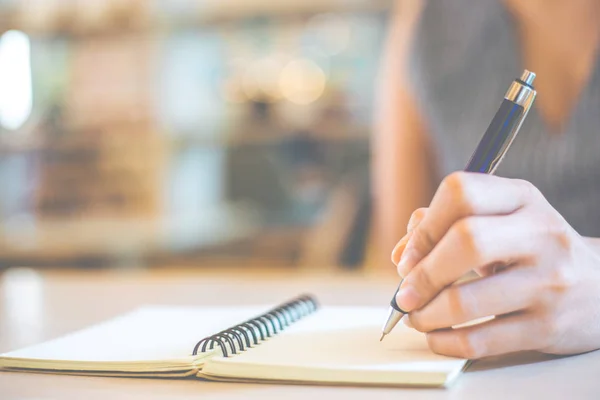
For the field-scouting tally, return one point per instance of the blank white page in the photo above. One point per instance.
(341, 344)
(148, 339)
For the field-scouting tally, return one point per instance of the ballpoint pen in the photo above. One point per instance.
(489, 152)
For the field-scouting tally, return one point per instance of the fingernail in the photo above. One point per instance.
(397, 252)
(406, 259)
(412, 223)
(416, 218)
(407, 297)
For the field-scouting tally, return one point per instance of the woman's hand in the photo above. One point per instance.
(538, 277)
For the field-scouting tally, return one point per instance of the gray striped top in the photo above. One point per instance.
(462, 64)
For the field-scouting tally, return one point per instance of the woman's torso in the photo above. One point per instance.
(462, 64)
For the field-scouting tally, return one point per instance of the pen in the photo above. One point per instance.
(489, 152)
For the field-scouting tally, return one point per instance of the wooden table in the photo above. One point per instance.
(35, 306)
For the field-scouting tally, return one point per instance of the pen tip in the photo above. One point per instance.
(382, 336)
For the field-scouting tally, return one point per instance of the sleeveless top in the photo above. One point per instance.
(465, 54)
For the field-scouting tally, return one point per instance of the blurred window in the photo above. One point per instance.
(15, 80)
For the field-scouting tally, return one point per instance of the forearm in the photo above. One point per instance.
(401, 176)
(402, 179)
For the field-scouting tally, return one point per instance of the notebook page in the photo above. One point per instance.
(341, 344)
(150, 337)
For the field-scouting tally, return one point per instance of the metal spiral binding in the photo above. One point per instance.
(255, 330)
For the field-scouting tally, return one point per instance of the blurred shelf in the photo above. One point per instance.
(133, 20)
(183, 139)
(216, 12)
(265, 139)
(124, 238)
(9, 146)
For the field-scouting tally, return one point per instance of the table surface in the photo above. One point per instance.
(36, 306)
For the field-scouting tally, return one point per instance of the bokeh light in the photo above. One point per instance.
(302, 81)
(260, 79)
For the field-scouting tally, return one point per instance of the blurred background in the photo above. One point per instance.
(167, 132)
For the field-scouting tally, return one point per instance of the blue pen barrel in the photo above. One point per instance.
(497, 136)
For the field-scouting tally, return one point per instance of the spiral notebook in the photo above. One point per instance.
(295, 342)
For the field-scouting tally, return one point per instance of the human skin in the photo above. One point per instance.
(538, 278)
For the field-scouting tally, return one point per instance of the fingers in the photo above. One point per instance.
(461, 195)
(470, 244)
(415, 218)
(399, 248)
(505, 334)
(507, 292)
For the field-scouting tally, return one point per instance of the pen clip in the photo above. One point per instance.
(521, 93)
